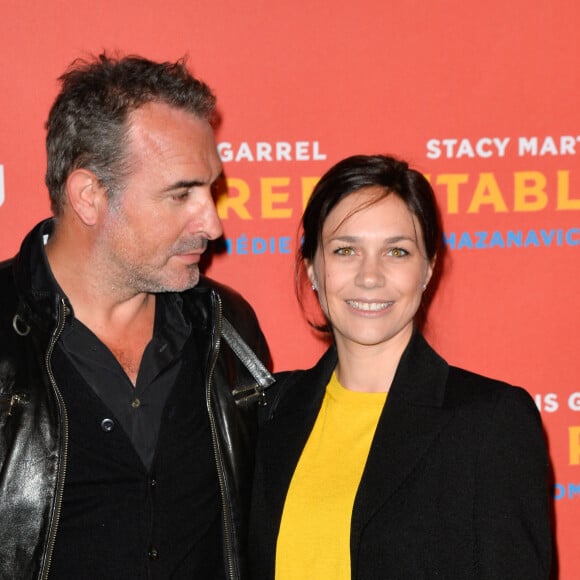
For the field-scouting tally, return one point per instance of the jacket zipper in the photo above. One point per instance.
(216, 445)
(62, 314)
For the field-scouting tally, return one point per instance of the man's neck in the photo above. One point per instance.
(122, 320)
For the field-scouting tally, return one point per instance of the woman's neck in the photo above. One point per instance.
(369, 368)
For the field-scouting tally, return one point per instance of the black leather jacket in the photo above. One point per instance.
(33, 417)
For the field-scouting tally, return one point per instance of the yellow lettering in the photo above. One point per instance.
(452, 181)
(237, 203)
(529, 191)
(487, 192)
(574, 438)
(564, 201)
(271, 198)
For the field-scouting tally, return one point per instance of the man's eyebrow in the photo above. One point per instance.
(185, 185)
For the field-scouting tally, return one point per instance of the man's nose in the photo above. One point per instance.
(205, 217)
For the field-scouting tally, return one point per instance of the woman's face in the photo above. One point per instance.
(370, 270)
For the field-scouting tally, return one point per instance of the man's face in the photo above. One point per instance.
(154, 231)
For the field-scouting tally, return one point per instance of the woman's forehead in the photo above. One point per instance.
(370, 208)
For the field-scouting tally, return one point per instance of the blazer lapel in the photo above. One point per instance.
(412, 418)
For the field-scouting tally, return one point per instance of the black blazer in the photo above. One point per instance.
(455, 486)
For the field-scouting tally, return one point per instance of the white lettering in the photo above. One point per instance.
(568, 145)
(547, 403)
(433, 149)
(484, 148)
(449, 144)
(574, 402)
(549, 147)
(283, 151)
(527, 146)
(481, 149)
(464, 149)
(533, 146)
(264, 151)
(244, 152)
(225, 151)
(501, 145)
(316, 155)
(302, 151)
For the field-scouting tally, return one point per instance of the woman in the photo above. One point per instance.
(383, 461)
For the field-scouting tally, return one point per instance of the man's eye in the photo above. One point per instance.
(345, 251)
(180, 196)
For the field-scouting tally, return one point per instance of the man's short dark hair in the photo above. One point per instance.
(87, 124)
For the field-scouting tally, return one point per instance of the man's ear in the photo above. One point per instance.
(85, 195)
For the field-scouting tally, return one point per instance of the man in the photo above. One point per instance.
(126, 396)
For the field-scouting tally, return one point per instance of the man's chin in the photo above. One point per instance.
(178, 283)
(191, 282)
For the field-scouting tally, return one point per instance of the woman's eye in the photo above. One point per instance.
(344, 251)
(398, 252)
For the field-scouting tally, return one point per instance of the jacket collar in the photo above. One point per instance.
(419, 380)
(305, 388)
(38, 290)
(421, 375)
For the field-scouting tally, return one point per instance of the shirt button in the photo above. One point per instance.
(153, 482)
(107, 425)
(153, 553)
(136, 403)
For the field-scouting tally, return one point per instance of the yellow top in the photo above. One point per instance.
(314, 538)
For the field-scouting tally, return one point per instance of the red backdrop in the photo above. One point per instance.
(482, 97)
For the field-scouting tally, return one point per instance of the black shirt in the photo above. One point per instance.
(121, 518)
(139, 408)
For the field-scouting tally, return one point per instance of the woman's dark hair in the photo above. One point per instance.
(88, 122)
(352, 174)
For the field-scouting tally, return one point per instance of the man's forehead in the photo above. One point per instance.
(158, 115)
(165, 128)
(160, 133)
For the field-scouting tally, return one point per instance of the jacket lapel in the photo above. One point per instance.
(411, 420)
